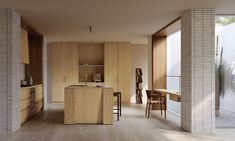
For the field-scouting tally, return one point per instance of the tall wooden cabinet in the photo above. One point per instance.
(110, 65)
(24, 47)
(71, 62)
(64, 68)
(124, 71)
(117, 68)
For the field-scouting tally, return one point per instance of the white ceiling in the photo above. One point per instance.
(112, 20)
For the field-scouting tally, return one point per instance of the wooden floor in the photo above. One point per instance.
(133, 126)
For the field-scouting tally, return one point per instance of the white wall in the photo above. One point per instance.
(49, 78)
(139, 60)
(44, 63)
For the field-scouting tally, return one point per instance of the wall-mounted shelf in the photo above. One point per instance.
(90, 70)
(91, 61)
(86, 66)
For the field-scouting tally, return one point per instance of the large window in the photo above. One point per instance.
(225, 71)
(174, 69)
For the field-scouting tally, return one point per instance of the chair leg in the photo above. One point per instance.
(165, 110)
(161, 108)
(149, 110)
(118, 107)
(146, 109)
(120, 104)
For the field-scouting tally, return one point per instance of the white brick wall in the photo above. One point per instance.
(198, 71)
(3, 69)
(9, 70)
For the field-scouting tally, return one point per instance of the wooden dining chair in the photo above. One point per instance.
(153, 98)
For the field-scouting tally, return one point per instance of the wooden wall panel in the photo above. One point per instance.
(159, 65)
(24, 51)
(71, 62)
(159, 62)
(110, 65)
(91, 53)
(34, 68)
(57, 56)
(124, 71)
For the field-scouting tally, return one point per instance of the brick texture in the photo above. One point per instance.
(9, 70)
(198, 71)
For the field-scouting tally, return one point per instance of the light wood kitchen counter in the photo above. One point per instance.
(88, 104)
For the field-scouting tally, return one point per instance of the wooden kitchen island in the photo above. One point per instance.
(88, 104)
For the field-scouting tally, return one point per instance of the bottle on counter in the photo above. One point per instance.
(30, 80)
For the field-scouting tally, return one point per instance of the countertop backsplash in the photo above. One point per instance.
(22, 71)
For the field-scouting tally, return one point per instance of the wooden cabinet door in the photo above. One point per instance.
(24, 49)
(57, 52)
(110, 65)
(71, 61)
(124, 71)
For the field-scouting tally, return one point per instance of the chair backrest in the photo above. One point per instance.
(149, 93)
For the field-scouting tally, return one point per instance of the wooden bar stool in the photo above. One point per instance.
(119, 104)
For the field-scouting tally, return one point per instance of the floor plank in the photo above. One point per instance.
(133, 126)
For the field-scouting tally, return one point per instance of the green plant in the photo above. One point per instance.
(225, 20)
(222, 69)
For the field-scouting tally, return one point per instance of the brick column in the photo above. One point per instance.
(9, 70)
(198, 70)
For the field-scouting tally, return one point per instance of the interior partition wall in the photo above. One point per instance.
(9, 70)
(198, 70)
